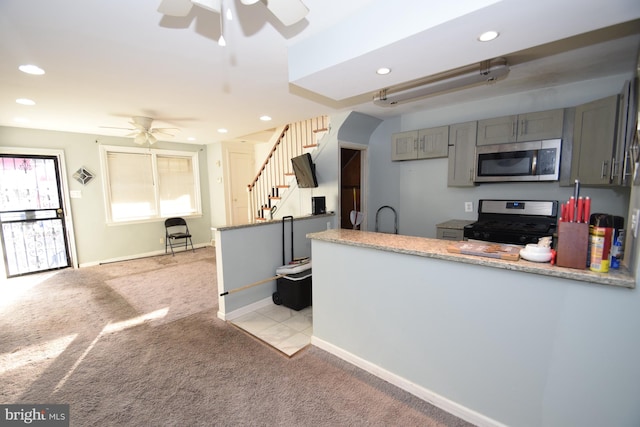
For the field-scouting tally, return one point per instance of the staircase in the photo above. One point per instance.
(272, 179)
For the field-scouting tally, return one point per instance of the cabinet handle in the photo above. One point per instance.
(614, 168)
(605, 164)
(625, 169)
(471, 174)
(514, 125)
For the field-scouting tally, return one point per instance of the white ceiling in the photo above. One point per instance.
(108, 60)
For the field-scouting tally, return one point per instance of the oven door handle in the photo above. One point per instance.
(534, 163)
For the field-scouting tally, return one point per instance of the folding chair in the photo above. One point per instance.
(176, 229)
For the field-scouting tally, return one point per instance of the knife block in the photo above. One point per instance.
(573, 244)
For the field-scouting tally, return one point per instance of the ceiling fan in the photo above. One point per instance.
(287, 11)
(143, 132)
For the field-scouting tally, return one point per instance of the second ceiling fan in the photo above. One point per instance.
(143, 133)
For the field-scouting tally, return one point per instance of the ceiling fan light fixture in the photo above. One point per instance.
(140, 138)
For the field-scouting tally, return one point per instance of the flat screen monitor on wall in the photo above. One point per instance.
(305, 171)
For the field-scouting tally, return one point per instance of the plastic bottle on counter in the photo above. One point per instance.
(600, 238)
(617, 242)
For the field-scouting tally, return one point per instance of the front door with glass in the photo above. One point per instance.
(32, 222)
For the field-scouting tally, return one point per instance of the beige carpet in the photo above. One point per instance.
(137, 343)
(172, 292)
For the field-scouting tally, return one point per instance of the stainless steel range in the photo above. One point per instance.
(513, 221)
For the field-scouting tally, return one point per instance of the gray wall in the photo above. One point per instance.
(249, 254)
(521, 349)
(95, 241)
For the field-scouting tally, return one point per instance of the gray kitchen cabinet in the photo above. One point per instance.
(521, 128)
(433, 142)
(462, 138)
(452, 229)
(498, 130)
(421, 144)
(540, 125)
(404, 145)
(594, 141)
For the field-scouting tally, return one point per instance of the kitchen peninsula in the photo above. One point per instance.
(494, 342)
(437, 248)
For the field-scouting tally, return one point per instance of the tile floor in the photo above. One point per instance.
(286, 330)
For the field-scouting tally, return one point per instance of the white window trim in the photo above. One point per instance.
(106, 190)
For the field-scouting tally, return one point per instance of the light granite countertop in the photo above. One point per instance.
(435, 248)
(270, 221)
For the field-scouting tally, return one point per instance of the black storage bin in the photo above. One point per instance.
(294, 290)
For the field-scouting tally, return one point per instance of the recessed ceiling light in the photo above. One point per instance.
(191, 138)
(31, 69)
(265, 118)
(487, 36)
(383, 70)
(21, 120)
(25, 101)
(222, 130)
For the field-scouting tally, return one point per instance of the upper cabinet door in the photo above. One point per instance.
(540, 125)
(498, 130)
(594, 139)
(462, 154)
(521, 128)
(433, 142)
(404, 145)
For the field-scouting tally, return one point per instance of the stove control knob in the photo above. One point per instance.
(523, 239)
(476, 234)
(486, 236)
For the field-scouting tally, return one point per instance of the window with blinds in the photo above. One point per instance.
(147, 184)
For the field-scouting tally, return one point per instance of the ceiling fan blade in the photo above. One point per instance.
(175, 7)
(114, 127)
(162, 131)
(287, 11)
(212, 5)
(152, 139)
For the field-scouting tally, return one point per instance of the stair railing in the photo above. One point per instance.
(272, 179)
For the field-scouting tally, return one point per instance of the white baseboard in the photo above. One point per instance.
(435, 399)
(137, 256)
(246, 309)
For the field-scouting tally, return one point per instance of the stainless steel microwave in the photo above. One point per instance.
(520, 161)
